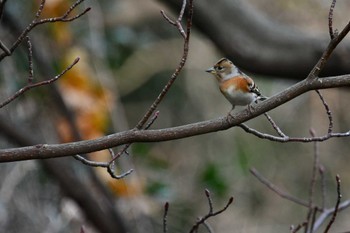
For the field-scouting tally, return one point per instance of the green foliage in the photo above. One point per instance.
(212, 178)
(156, 188)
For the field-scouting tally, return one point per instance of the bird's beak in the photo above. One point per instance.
(211, 70)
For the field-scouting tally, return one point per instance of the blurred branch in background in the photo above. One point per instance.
(311, 224)
(259, 43)
(201, 220)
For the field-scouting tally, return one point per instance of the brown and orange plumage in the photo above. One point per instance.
(237, 87)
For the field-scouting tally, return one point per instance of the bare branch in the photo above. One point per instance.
(211, 213)
(167, 87)
(63, 18)
(311, 213)
(294, 230)
(328, 111)
(210, 201)
(183, 7)
(313, 218)
(30, 60)
(37, 21)
(89, 162)
(121, 176)
(189, 130)
(111, 164)
(165, 216)
(153, 119)
(40, 10)
(177, 23)
(4, 48)
(330, 19)
(275, 126)
(327, 53)
(292, 139)
(276, 189)
(207, 226)
(176, 73)
(321, 170)
(327, 212)
(336, 208)
(167, 18)
(33, 85)
(137, 135)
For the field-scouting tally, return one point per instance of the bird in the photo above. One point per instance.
(238, 88)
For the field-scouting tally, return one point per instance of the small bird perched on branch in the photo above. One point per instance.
(236, 86)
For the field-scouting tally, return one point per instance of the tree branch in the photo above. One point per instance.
(36, 22)
(211, 212)
(33, 85)
(275, 189)
(67, 149)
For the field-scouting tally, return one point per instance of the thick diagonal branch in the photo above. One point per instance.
(131, 136)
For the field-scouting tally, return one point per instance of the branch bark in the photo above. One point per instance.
(43, 151)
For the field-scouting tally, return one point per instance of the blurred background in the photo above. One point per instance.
(127, 54)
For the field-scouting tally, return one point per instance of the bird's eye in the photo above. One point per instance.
(219, 68)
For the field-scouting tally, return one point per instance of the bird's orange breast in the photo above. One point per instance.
(239, 83)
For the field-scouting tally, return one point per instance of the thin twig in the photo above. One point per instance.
(89, 162)
(30, 61)
(36, 22)
(33, 85)
(167, 18)
(207, 226)
(177, 23)
(292, 139)
(40, 10)
(337, 38)
(210, 201)
(63, 18)
(312, 185)
(284, 138)
(275, 189)
(182, 11)
(121, 176)
(321, 170)
(167, 87)
(327, 212)
(328, 111)
(176, 73)
(165, 216)
(5, 49)
(294, 230)
(153, 119)
(336, 208)
(313, 218)
(124, 150)
(330, 19)
(211, 213)
(111, 163)
(275, 126)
